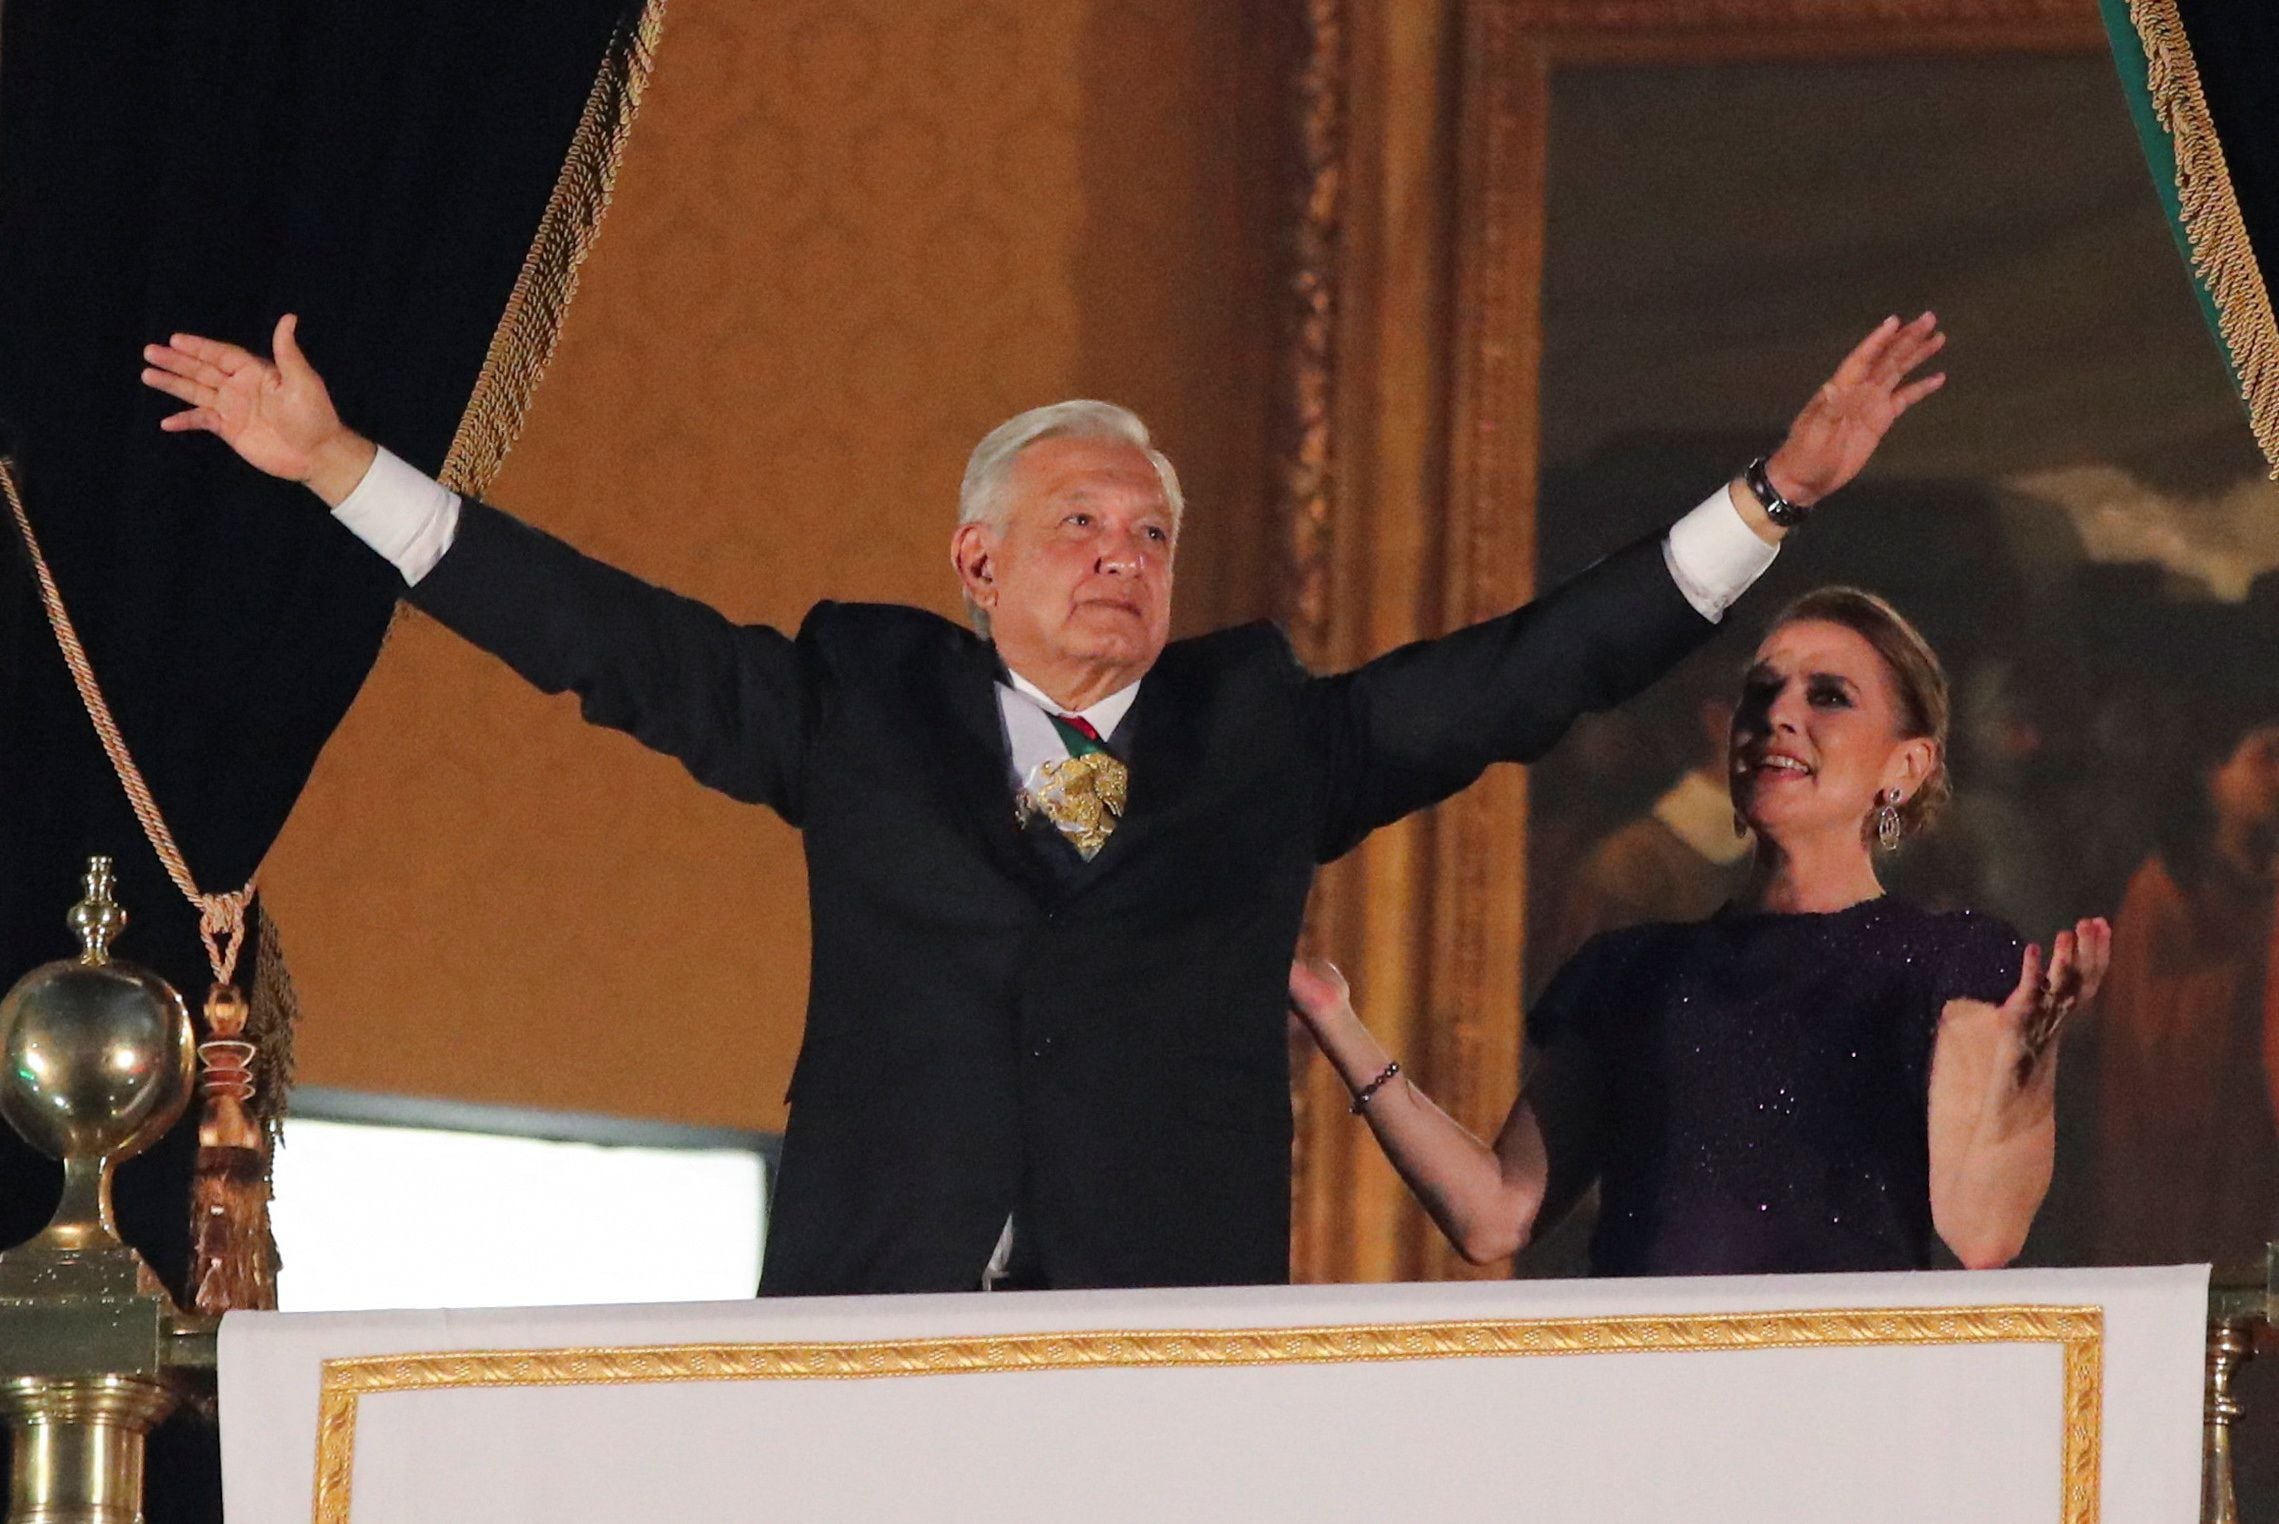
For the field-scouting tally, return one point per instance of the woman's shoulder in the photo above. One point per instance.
(1969, 954)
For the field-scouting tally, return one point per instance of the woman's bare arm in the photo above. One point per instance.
(1485, 1199)
(1993, 1126)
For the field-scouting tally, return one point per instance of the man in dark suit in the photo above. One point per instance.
(1057, 869)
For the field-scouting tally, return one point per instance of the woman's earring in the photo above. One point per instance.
(1887, 822)
(1740, 827)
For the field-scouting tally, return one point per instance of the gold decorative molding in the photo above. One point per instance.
(1305, 455)
(1305, 486)
(2078, 1331)
(2223, 257)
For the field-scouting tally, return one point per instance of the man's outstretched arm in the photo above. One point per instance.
(734, 703)
(1417, 724)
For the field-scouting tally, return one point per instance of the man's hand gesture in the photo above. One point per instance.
(1847, 418)
(277, 416)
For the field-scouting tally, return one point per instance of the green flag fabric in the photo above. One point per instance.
(2197, 74)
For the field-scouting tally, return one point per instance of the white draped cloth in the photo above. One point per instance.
(1993, 1396)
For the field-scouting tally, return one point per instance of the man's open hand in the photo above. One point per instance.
(278, 416)
(1847, 418)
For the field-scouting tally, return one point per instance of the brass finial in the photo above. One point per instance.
(97, 918)
(95, 1060)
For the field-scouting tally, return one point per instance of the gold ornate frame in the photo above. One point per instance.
(2077, 1331)
(1409, 461)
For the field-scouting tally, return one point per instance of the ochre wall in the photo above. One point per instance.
(848, 238)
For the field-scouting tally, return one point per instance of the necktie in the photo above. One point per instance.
(1081, 794)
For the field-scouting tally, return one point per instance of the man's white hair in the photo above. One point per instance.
(982, 496)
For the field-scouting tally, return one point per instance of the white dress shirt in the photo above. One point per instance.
(1712, 554)
(1031, 738)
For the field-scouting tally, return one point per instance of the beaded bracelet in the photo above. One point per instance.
(1362, 1096)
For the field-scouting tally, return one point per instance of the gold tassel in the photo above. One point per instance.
(270, 1028)
(233, 1257)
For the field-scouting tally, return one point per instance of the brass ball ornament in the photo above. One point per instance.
(96, 1056)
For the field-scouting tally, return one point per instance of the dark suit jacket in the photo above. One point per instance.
(1099, 1048)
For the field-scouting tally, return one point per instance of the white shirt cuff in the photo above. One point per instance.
(402, 513)
(1714, 556)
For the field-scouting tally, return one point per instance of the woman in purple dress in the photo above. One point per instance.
(1817, 1077)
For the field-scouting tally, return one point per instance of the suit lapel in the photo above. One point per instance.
(979, 768)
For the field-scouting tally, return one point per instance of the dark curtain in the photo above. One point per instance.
(164, 166)
(2236, 45)
(2229, 51)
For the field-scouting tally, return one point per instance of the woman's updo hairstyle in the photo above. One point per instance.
(1918, 682)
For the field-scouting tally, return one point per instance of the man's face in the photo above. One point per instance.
(1078, 573)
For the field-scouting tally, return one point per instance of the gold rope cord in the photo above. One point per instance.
(233, 1256)
(221, 917)
(2079, 1332)
(2223, 257)
(527, 332)
(1305, 472)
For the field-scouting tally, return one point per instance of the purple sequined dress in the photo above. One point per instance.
(1753, 1089)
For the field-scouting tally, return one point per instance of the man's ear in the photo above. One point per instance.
(973, 551)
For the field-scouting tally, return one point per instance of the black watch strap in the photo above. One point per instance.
(1777, 508)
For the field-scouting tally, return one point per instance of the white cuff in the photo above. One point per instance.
(1000, 1258)
(402, 513)
(1714, 556)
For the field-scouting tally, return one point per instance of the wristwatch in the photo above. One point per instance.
(1777, 508)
